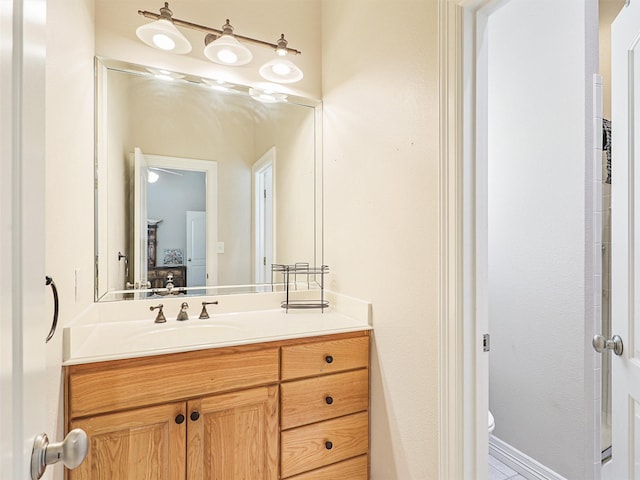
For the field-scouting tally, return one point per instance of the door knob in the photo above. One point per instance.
(600, 344)
(71, 451)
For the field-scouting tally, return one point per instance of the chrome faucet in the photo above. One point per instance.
(182, 314)
(160, 318)
(204, 314)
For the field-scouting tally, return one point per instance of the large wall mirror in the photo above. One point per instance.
(201, 186)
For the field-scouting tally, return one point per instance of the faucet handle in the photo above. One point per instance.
(204, 314)
(160, 318)
(182, 314)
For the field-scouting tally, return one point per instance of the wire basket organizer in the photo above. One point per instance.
(291, 274)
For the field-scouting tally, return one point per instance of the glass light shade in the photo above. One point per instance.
(226, 50)
(281, 71)
(267, 96)
(164, 35)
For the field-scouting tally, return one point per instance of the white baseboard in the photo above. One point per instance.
(521, 463)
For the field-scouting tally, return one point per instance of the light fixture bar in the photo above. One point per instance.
(214, 31)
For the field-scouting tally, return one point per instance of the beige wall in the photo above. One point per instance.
(290, 128)
(69, 137)
(380, 92)
(609, 9)
(69, 170)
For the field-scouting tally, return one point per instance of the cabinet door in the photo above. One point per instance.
(140, 444)
(234, 436)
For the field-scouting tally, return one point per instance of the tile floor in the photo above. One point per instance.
(499, 471)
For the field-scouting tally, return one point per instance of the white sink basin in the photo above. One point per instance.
(184, 334)
(135, 338)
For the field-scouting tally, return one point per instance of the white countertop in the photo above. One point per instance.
(101, 341)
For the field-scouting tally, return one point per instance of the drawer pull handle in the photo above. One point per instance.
(180, 419)
(328, 445)
(329, 400)
(328, 359)
(195, 416)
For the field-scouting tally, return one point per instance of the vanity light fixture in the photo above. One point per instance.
(221, 46)
(226, 50)
(163, 34)
(280, 70)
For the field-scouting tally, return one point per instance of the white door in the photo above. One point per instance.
(264, 216)
(140, 235)
(23, 322)
(196, 249)
(625, 210)
(264, 224)
(267, 232)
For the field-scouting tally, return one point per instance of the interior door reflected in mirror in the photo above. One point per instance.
(175, 211)
(200, 189)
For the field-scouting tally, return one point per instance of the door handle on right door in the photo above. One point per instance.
(600, 344)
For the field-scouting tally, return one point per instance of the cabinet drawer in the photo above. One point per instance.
(313, 446)
(321, 398)
(312, 359)
(353, 469)
(146, 381)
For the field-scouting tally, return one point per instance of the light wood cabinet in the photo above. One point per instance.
(352, 469)
(321, 358)
(211, 414)
(145, 444)
(295, 409)
(108, 386)
(324, 410)
(319, 444)
(329, 396)
(235, 436)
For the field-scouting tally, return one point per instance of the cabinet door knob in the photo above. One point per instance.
(328, 359)
(329, 399)
(180, 419)
(195, 416)
(328, 445)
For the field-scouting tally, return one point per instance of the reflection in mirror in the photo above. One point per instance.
(175, 206)
(200, 187)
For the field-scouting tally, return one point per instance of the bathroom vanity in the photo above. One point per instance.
(288, 408)
(254, 392)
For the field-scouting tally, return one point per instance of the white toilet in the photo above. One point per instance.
(492, 423)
